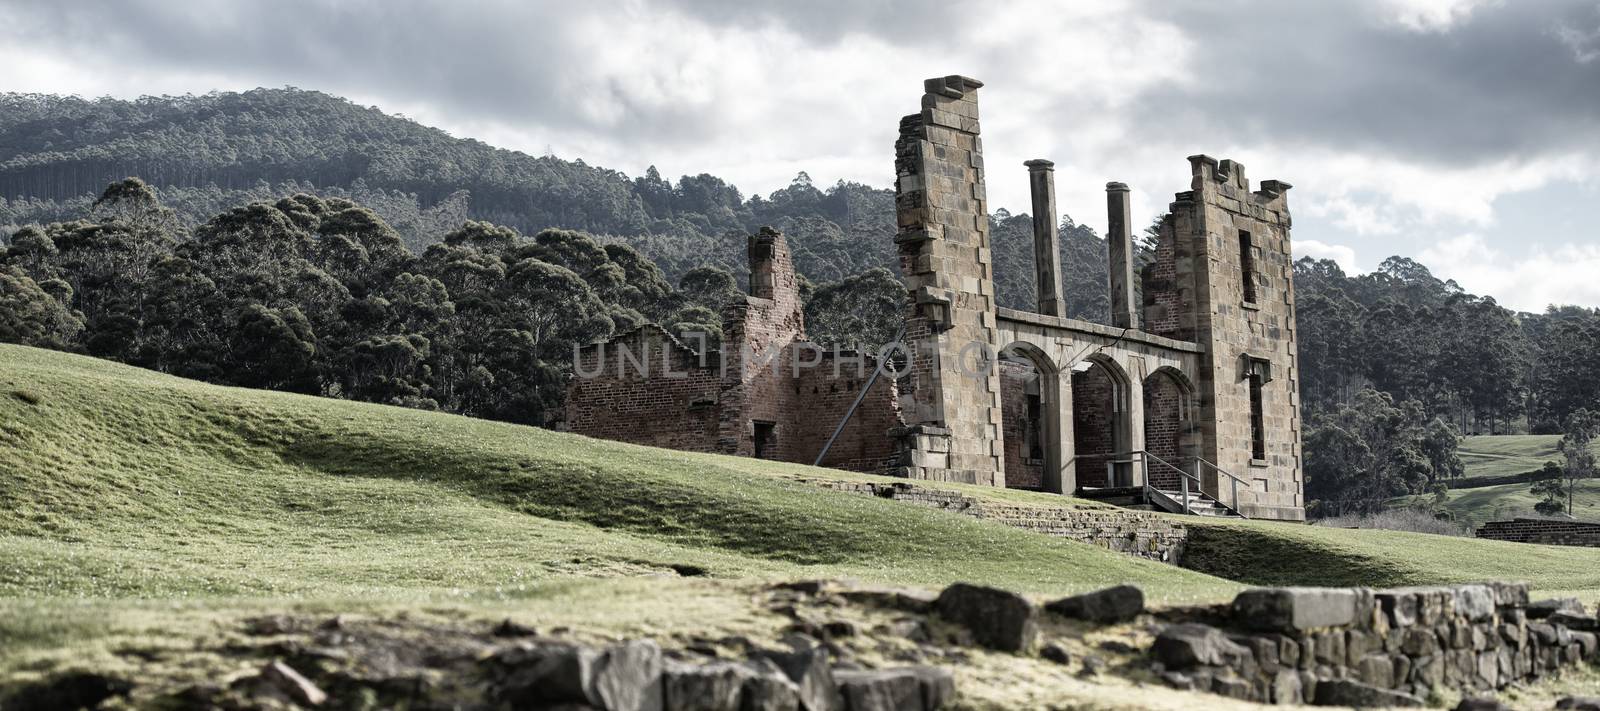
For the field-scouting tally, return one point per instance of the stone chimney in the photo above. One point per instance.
(771, 267)
(1046, 240)
(1119, 250)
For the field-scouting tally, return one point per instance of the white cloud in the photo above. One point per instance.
(1561, 275)
(1584, 43)
(1344, 256)
(1432, 15)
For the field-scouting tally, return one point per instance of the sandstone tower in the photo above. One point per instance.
(1187, 400)
(1224, 278)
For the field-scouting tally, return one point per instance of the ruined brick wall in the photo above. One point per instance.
(1024, 470)
(1163, 429)
(646, 388)
(945, 258)
(1093, 424)
(1546, 531)
(1241, 334)
(821, 395)
(773, 381)
(1163, 299)
(758, 334)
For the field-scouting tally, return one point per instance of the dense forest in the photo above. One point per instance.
(289, 239)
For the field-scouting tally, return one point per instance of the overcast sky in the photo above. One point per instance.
(1462, 133)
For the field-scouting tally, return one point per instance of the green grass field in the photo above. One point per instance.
(1505, 455)
(137, 508)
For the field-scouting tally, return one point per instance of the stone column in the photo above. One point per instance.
(1046, 241)
(1119, 247)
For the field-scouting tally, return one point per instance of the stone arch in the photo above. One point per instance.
(1030, 419)
(1168, 429)
(1101, 423)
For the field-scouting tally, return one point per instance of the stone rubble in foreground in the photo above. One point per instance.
(848, 648)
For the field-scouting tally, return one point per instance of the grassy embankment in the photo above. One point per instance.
(137, 509)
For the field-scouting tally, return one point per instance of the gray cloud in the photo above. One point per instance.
(504, 61)
(1500, 83)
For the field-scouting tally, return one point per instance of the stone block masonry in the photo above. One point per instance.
(1546, 531)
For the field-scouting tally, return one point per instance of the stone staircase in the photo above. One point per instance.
(1199, 503)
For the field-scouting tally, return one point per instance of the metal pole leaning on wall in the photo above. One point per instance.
(859, 397)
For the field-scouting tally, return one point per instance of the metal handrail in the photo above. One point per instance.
(1221, 471)
(1143, 457)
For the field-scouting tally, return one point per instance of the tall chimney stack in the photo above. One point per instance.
(1046, 239)
(1119, 248)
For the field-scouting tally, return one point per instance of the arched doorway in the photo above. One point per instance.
(1029, 416)
(1100, 423)
(1167, 436)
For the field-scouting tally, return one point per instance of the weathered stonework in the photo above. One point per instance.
(1198, 383)
(943, 241)
(1224, 278)
(1340, 646)
(1139, 533)
(1206, 391)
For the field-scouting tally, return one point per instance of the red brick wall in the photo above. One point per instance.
(1549, 532)
(643, 405)
(1163, 428)
(818, 400)
(1023, 471)
(1093, 421)
(1163, 301)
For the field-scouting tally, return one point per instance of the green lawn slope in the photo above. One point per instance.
(121, 483)
(130, 498)
(1506, 455)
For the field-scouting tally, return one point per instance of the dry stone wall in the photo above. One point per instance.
(1139, 533)
(1363, 647)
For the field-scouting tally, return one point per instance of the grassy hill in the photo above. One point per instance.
(120, 483)
(1509, 455)
(139, 510)
(1505, 455)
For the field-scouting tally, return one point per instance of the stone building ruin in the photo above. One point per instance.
(1188, 401)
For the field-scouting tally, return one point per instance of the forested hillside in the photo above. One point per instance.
(292, 240)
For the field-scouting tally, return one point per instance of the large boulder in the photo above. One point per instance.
(998, 619)
(805, 662)
(540, 674)
(1572, 620)
(1111, 605)
(906, 689)
(717, 686)
(1344, 692)
(1296, 609)
(728, 686)
(1189, 645)
(545, 673)
(628, 677)
(1540, 609)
